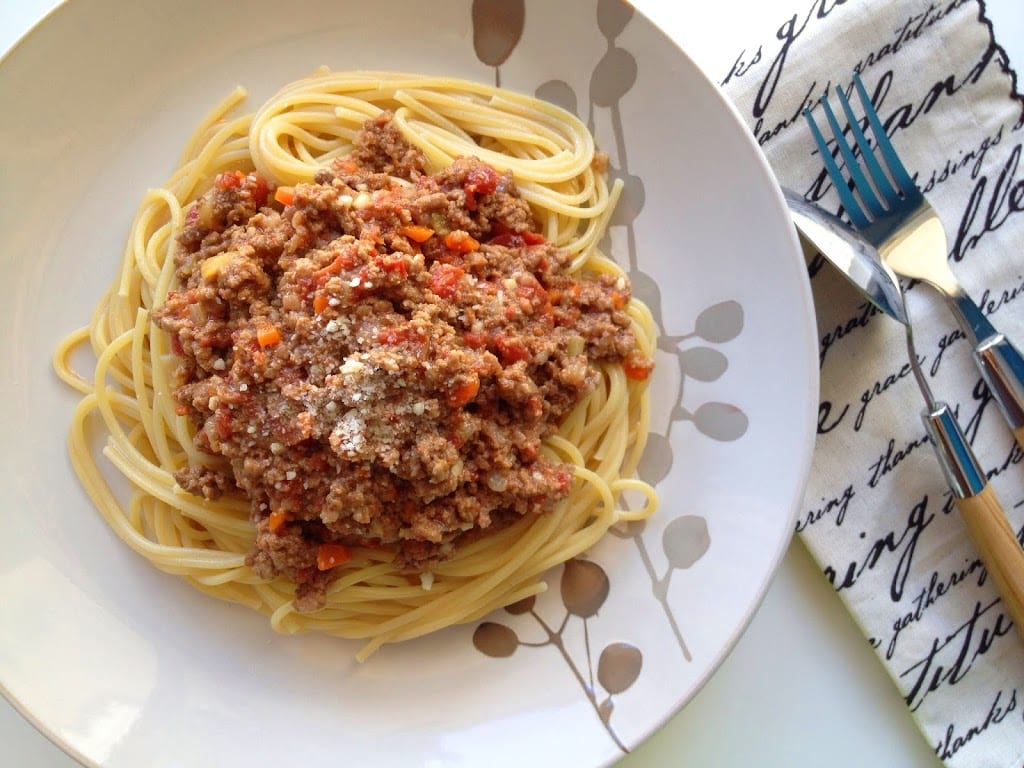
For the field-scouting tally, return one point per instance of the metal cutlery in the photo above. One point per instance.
(977, 502)
(849, 252)
(910, 238)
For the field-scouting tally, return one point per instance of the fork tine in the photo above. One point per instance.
(860, 181)
(874, 168)
(899, 173)
(853, 209)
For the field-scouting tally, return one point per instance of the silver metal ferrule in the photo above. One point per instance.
(959, 464)
(1003, 369)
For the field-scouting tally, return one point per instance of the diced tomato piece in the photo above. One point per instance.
(363, 285)
(444, 280)
(464, 392)
(507, 239)
(341, 261)
(529, 288)
(475, 340)
(564, 478)
(260, 189)
(229, 179)
(395, 265)
(222, 422)
(481, 179)
(508, 350)
(511, 239)
(394, 335)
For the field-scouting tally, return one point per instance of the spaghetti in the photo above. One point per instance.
(304, 128)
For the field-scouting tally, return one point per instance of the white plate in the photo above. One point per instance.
(125, 666)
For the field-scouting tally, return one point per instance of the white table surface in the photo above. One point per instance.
(802, 687)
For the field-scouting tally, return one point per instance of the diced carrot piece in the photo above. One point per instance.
(276, 521)
(417, 233)
(332, 555)
(320, 303)
(637, 367)
(618, 299)
(268, 335)
(285, 195)
(460, 241)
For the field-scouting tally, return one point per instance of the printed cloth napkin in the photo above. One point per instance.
(878, 516)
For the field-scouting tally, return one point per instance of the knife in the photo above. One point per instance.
(983, 514)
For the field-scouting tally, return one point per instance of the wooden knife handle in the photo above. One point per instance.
(999, 549)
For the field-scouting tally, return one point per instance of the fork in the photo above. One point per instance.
(912, 241)
(979, 506)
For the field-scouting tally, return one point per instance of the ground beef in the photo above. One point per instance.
(376, 363)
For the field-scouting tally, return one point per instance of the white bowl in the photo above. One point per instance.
(124, 666)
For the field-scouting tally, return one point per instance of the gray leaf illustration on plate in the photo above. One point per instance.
(656, 461)
(497, 27)
(559, 93)
(703, 363)
(720, 421)
(631, 203)
(685, 540)
(584, 587)
(619, 667)
(495, 640)
(613, 77)
(720, 322)
(612, 17)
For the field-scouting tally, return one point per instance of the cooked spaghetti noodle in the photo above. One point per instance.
(298, 132)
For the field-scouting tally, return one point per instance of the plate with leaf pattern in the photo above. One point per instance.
(124, 666)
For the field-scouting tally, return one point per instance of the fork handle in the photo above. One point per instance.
(1002, 365)
(1000, 362)
(983, 515)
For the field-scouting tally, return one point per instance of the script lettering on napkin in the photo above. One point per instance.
(956, 738)
(878, 514)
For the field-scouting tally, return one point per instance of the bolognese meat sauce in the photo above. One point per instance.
(375, 362)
